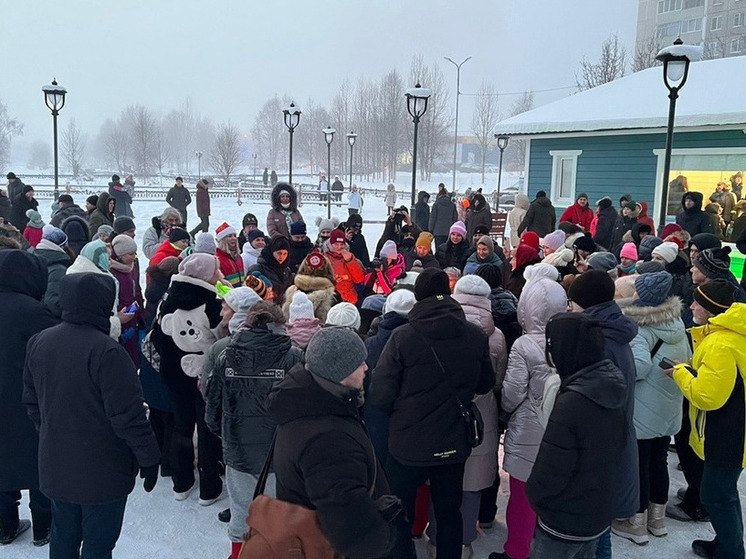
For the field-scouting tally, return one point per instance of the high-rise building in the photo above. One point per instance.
(718, 25)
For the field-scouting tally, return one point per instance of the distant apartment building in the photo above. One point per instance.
(718, 25)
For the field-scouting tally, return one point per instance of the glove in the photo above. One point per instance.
(150, 475)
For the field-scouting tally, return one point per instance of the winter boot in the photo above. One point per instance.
(634, 529)
(704, 548)
(9, 537)
(42, 526)
(657, 520)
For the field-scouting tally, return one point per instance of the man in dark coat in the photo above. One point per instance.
(68, 207)
(323, 458)
(337, 189)
(355, 238)
(422, 211)
(21, 204)
(82, 392)
(593, 294)
(692, 218)
(605, 225)
(15, 185)
(479, 214)
(203, 207)
(571, 486)
(540, 217)
(443, 214)
(23, 280)
(426, 367)
(121, 196)
(178, 197)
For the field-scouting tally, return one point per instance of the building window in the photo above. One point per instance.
(715, 48)
(668, 6)
(690, 25)
(564, 173)
(738, 20)
(736, 45)
(669, 29)
(693, 4)
(716, 23)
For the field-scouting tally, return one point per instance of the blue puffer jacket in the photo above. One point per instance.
(619, 331)
(657, 398)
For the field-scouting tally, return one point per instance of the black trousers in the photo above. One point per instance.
(95, 527)
(446, 482)
(41, 512)
(654, 481)
(162, 423)
(691, 464)
(203, 226)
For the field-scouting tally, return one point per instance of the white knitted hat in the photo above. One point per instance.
(343, 314)
(300, 307)
(471, 285)
(399, 301)
(668, 251)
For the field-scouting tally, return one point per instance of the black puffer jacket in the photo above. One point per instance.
(254, 361)
(422, 211)
(278, 274)
(298, 251)
(63, 213)
(324, 460)
(426, 427)
(541, 217)
(605, 227)
(505, 314)
(571, 486)
(21, 205)
(449, 254)
(694, 220)
(443, 214)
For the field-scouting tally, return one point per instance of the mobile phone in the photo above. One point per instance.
(666, 363)
(133, 307)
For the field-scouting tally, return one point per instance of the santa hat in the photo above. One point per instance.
(223, 231)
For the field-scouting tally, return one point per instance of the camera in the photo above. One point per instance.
(376, 263)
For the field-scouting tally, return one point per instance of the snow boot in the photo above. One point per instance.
(6, 538)
(634, 529)
(657, 520)
(704, 548)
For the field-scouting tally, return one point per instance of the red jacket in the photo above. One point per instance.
(644, 217)
(232, 268)
(346, 275)
(165, 250)
(578, 215)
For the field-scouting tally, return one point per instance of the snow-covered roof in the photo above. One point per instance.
(712, 95)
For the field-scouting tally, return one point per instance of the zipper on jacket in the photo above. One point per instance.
(699, 423)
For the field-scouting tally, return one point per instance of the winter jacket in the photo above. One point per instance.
(657, 398)
(579, 215)
(6, 207)
(449, 254)
(605, 227)
(514, 280)
(714, 386)
(572, 484)
(426, 427)
(101, 215)
(123, 205)
(184, 331)
(515, 217)
(153, 237)
(390, 197)
(165, 250)
(383, 281)
(203, 199)
(727, 201)
(346, 275)
(279, 218)
(254, 361)
(622, 225)
(523, 387)
(482, 216)
(644, 218)
(22, 314)
(443, 214)
(355, 201)
(422, 211)
(15, 189)
(298, 252)
(474, 262)
(128, 278)
(694, 220)
(301, 330)
(32, 235)
(249, 254)
(278, 274)
(481, 467)
(178, 197)
(540, 218)
(21, 205)
(82, 392)
(324, 460)
(619, 331)
(77, 231)
(320, 292)
(57, 261)
(505, 314)
(63, 213)
(427, 261)
(82, 265)
(232, 268)
(359, 249)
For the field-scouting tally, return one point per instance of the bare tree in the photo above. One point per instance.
(179, 129)
(161, 151)
(341, 113)
(714, 48)
(517, 148)
(226, 154)
(114, 144)
(143, 129)
(73, 147)
(485, 118)
(392, 111)
(40, 155)
(611, 65)
(9, 127)
(267, 131)
(645, 54)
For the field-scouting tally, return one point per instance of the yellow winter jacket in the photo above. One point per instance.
(719, 356)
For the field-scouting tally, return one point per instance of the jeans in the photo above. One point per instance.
(445, 493)
(97, 527)
(203, 226)
(721, 499)
(469, 515)
(691, 464)
(41, 512)
(653, 471)
(603, 550)
(241, 488)
(549, 547)
(521, 521)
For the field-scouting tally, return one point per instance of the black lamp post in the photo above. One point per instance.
(417, 98)
(351, 137)
(502, 143)
(54, 98)
(254, 158)
(676, 60)
(329, 138)
(458, 93)
(292, 118)
(199, 165)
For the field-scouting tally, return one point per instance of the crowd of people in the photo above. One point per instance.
(378, 385)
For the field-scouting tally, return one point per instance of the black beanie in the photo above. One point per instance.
(703, 241)
(715, 296)
(92, 199)
(592, 288)
(433, 281)
(249, 219)
(123, 224)
(585, 243)
(491, 274)
(574, 341)
(178, 234)
(714, 262)
(541, 194)
(114, 178)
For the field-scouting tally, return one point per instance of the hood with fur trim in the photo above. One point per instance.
(275, 197)
(666, 312)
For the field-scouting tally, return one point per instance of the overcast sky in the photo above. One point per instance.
(229, 56)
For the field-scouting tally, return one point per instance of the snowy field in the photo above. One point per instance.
(157, 526)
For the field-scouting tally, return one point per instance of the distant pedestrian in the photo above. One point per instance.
(443, 214)
(354, 201)
(122, 197)
(178, 197)
(422, 211)
(390, 197)
(337, 189)
(540, 217)
(203, 207)
(265, 177)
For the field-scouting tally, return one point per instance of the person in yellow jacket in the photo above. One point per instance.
(714, 385)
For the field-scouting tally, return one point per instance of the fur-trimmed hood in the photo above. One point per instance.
(275, 197)
(322, 298)
(308, 284)
(665, 313)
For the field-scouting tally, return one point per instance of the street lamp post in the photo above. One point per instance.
(417, 98)
(351, 137)
(254, 158)
(458, 93)
(329, 138)
(292, 118)
(676, 60)
(54, 98)
(502, 143)
(199, 165)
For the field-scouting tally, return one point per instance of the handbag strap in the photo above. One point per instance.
(656, 347)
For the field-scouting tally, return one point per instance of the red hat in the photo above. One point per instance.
(223, 231)
(315, 259)
(337, 236)
(531, 239)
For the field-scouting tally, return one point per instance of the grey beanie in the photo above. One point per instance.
(334, 353)
(205, 242)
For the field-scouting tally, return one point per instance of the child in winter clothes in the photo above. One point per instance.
(302, 323)
(33, 231)
(522, 393)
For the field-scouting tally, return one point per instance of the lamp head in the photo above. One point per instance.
(676, 60)
(351, 137)
(54, 96)
(292, 116)
(329, 134)
(417, 98)
(502, 141)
